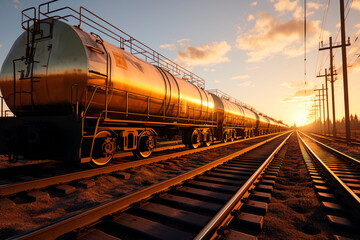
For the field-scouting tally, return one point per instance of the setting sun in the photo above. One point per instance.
(300, 118)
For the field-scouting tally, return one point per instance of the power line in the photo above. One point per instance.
(323, 24)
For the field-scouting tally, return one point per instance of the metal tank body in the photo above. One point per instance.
(273, 125)
(263, 124)
(229, 114)
(59, 62)
(250, 118)
(71, 65)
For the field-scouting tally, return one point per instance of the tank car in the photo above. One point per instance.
(79, 98)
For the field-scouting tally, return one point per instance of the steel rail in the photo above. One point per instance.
(82, 219)
(11, 189)
(334, 151)
(224, 216)
(332, 138)
(331, 176)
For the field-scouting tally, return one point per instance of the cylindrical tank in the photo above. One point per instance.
(250, 118)
(273, 125)
(229, 114)
(70, 64)
(263, 124)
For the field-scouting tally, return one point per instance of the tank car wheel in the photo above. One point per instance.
(146, 145)
(225, 137)
(232, 136)
(195, 139)
(103, 148)
(208, 138)
(13, 158)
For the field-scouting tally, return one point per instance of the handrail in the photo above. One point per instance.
(127, 93)
(226, 96)
(133, 45)
(2, 106)
(76, 99)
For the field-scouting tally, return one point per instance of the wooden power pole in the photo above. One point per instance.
(320, 99)
(344, 65)
(330, 47)
(327, 99)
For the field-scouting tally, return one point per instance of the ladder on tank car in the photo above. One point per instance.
(32, 28)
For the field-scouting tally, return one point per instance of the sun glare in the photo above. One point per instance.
(300, 118)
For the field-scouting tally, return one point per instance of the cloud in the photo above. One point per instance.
(299, 13)
(252, 67)
(183, 42)
(253, 4)
(240, 77)
(216, 81)
(300, 95)
(209, 69)
(168, 46)
(292, 84)
(16, 4)
(206, 54)
(356, 5)
(270, 36)
(358, 27)
(353, 51)
(314, 5)
(285, 5)
(250, 18)
(246, 84)
(355, 67)
(173, 46)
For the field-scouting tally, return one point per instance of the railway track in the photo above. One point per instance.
(220, 199)
(29, 178)
(13, 170)
(331, 138)
(336, 178)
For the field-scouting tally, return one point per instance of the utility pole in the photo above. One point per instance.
(327, 99)
(345, 79)
(318, 105)
(330, 47)
(323, 100)
(315, 114)
(320, 99)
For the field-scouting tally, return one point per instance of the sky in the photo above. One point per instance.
(252, 50)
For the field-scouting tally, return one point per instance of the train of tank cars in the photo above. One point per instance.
(79, 98)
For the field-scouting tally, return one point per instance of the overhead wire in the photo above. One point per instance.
(321, 35)
(356, 54)
(347, 13)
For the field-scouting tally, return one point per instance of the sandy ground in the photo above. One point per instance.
(26, 216)
(294, 211)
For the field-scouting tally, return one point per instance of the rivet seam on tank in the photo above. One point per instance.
(120, 60)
